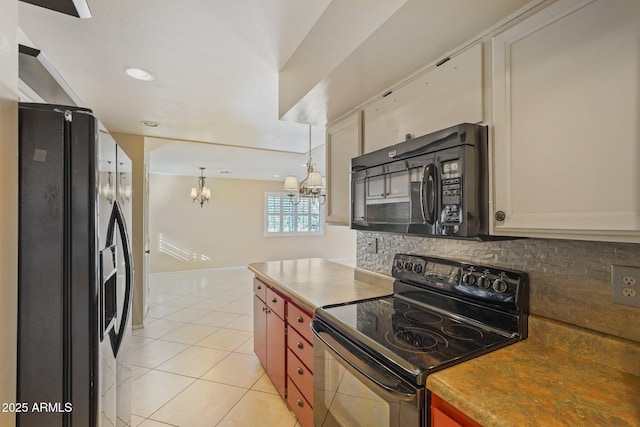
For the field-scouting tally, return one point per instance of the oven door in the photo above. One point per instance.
(352, 389)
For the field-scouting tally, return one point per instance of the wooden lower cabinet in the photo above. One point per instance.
(282, 341)
(443, 414)
(299, 405)
(276, 362)
(301, 376)
(300, 320)
(260, 330)
(300, 364)
(269, 335)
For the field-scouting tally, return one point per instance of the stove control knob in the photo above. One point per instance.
(500, 286)
(408, 266)
(484, 282)
(469, 279)
(417, 268)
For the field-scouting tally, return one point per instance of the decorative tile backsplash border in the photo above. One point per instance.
(569, 280)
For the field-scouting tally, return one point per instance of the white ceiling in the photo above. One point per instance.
(176, 157)
(216, 64)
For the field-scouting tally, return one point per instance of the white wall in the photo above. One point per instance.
(229, 230)
(9, 204)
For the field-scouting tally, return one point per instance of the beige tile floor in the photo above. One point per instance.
(193, 363)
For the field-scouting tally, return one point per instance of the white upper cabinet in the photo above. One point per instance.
(566, 123)
(444, 96)
(343, 143)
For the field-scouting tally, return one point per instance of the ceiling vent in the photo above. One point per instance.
(77, 8)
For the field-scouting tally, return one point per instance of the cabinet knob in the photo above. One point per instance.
(259, 286)
(300, 319)
(274, 299)
(500, 216)
(299, 370)
(299, 402)
(300, 346)
(264, 309)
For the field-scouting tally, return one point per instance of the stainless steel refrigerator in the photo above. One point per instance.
(75, 283)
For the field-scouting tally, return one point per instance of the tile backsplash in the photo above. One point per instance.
(569, 280)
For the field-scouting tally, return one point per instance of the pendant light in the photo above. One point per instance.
(312, 187)
(202, 193)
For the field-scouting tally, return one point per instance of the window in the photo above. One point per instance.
(283, 218)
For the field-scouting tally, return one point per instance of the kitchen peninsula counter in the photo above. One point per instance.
(560, 376)
(316, 282)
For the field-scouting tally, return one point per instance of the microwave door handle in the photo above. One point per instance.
(428, 214)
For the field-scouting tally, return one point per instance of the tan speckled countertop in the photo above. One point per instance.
(560, 376)
(316, 282)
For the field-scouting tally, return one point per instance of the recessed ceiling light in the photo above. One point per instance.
(276, 176)
(139, 74)
(150, 123)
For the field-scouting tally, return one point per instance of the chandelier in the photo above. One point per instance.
(312, 187)
(201, 194)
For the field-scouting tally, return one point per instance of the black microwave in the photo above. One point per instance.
(433, 185)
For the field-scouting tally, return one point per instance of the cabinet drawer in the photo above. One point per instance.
(300, 320)
(300, 406)
(276, 302)
(260, 289)
(300, 347)
(300, 375)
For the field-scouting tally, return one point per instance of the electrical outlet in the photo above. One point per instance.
(624, 285)
(372, 245)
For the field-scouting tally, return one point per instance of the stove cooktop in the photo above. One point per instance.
(414, 339)
(435, 318)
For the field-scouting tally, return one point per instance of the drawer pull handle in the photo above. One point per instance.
(299, 402)
(300, 346)
(264, 309)
(259, 286)
(300, 319)
(274, 299)
(299, 371)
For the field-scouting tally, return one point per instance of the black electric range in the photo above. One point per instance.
(442, 312)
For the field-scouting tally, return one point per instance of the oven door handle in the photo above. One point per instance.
(398, 394)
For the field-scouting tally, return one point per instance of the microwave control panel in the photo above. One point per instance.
(451, 197)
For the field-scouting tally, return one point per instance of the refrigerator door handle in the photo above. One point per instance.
(107, 295)
(117, 222)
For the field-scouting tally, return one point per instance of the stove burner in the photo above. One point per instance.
(423, 317)
(400, 305)
(416, 340)
(462, 332)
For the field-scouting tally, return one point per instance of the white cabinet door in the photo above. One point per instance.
(441, 97)
(343, 143)
(566, 105)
